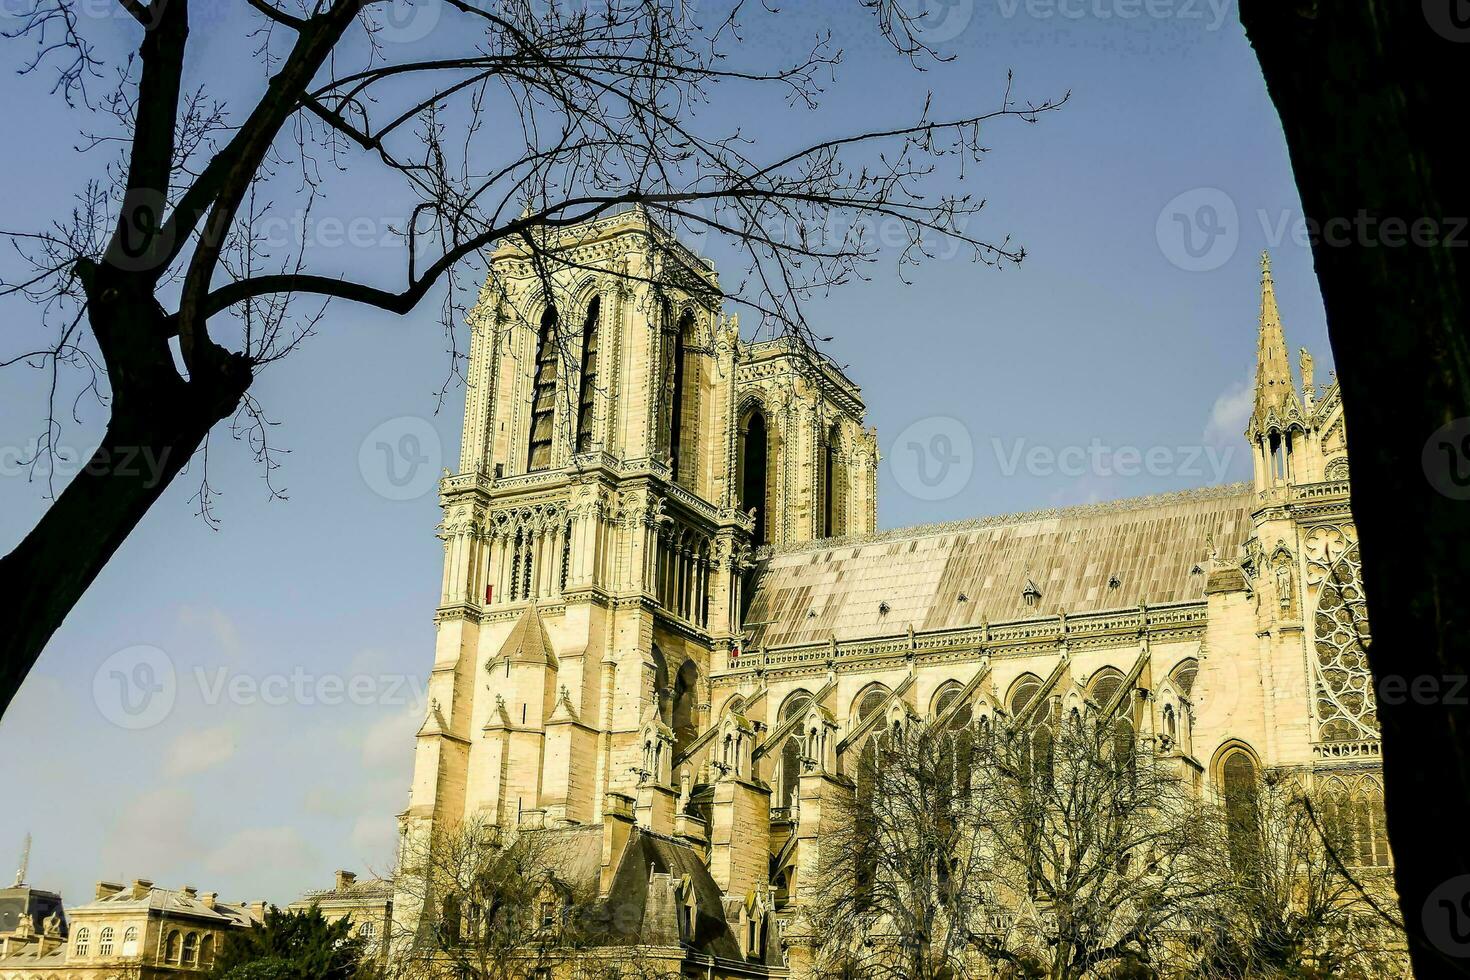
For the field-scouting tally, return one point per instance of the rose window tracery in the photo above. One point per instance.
(1344, 684)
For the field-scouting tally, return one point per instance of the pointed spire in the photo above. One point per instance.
(1274, 386)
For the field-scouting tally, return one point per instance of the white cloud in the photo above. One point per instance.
(151, 836)
(1229, 415)
(261, 851)
(374, 837)
(217, 625)
(388, 742)
(197, 751)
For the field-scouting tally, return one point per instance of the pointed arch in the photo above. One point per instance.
(753, 459)
(795, 704)
(867, 703)
(684, 715)
(680, 421)
(1103, 686)
(587, 398)
(1022, 691)
(1183, 675)
(1237, 771)
(833, 509)
(543, 394)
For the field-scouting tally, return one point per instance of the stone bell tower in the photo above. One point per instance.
(596, 537)
(592, 539)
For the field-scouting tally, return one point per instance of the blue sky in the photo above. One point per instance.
(299, 632)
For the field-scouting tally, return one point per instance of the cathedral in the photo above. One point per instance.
(668, 621)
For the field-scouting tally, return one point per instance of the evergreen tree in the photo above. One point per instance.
(291, 946)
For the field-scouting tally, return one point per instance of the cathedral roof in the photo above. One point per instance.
(1114, 555)
(528, 641)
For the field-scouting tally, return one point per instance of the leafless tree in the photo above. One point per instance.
(548, 115)
(1104, 848)
(1055, 851)
(501, 904)
(905, 889)
(1295, 906)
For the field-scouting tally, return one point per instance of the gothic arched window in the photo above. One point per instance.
(79, 944)
(1043, 757)
(795, 705)
(834, 485)
(1025, 688)
(754, 447)
(682, 717)
(104, 941)
(681, 404)
(587, 401)
(1184, 675)
(1104, 686)
(174, 948)
(868, 703)
(191, 949)
(1239, 778)
(543, 398)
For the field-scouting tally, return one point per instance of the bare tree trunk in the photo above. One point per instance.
(1371, 97)
(158, 422)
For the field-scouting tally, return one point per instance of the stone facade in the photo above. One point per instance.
(662, 584)
(366, 904)
(137, 932)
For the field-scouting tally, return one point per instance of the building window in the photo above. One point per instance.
(79, 945)
(586, 404)
(543, 401)
(173, 950)
(1104, 686)
(367, 931)
(206, 952)
(1184, 676)
(191, 949)
(1239, 777)
(868, 703)
(1043, 758)
(682, 425)
(1022, 693)
(104, 941)
(795, 705)
(754, 447)
(834, 486)
(548, 915)
(130, 941)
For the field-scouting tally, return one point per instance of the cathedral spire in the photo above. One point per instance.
(1274, 388)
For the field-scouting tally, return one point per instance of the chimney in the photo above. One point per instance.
(345, 880)
(141, 888)
(209, 899)
(617, 827)
(190, 891)
(107, 889)
(257, 910)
